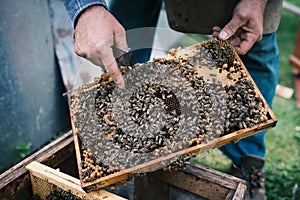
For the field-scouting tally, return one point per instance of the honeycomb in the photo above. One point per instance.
(190, 96)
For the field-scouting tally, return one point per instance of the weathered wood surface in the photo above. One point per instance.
(45, 180)
(204, 182)
(295, 58)
(240, 192)
(295, 62)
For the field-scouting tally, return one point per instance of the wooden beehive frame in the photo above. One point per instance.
(232, 137)
(44, 179)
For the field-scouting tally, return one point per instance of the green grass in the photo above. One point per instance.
(282, 166)
(283, 152)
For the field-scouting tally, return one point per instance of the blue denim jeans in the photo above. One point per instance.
(262, 61)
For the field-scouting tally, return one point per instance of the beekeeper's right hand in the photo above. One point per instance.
(96, 31)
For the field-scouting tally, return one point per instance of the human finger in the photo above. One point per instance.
(105, 57)
(216, 30)
(247, 41)
(235, 41)
(231, 28)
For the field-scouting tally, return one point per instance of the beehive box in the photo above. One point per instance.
(189, 101)
(194, 182)
(48, 183)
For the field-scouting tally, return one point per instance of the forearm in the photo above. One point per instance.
(75, 7)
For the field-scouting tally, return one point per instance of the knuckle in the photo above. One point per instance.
(260, 35)
(242, 16)
(80, 52)
(242, 53)
(120, 28)
(257, 35)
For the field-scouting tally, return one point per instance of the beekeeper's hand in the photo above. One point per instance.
(96, 31)
(246, 26)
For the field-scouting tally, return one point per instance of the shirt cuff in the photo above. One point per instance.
(75, 7)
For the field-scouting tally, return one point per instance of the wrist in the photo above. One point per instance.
(263, 3)
(89, 11)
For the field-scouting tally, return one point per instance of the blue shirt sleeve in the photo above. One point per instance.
(75, 7)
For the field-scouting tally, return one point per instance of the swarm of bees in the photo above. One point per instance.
(189, 97)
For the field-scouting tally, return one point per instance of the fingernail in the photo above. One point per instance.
(223, 35)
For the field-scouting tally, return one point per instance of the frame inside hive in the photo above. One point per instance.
(194, 146)
(48, 183)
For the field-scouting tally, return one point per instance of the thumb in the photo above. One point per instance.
(231, 28)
